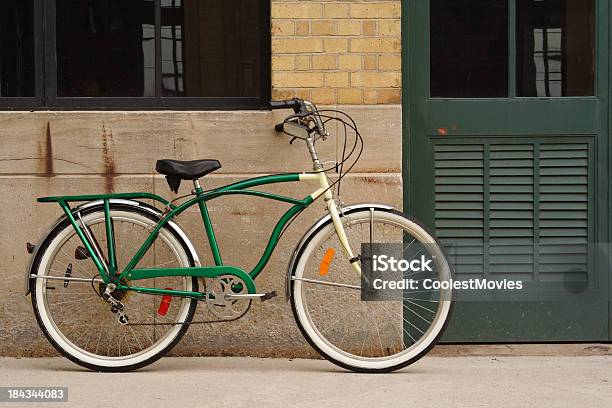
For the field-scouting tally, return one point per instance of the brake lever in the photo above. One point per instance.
(298, 115)
(293, 140)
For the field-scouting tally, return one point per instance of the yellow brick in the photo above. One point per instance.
(369, 27)
(389, 62)
(324, 62)
(302, 62)
(283, 62)
(337, 79)
(349, 62)
(302, 27)
(335, 45)
(296, 45)
(323, 27)
(376, 79)
(351, 96)
(370, 96)
(331, 10)
(323, 96)
(389, 9)
(389, 27)
(281, 93)
(297, 79)
(389, 96)
(283, 27)
(375, 45)
(304, 93)
(349, 27)
(369, 62)
(296, 10)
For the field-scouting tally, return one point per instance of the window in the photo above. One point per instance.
(197, 54)
(469, 48)
(105, 48)
(17, 50)
(555, 47)
(210, 39)
(549, 44)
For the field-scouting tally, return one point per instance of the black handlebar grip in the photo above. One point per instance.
(280, 127)
(294, 104)
(278, 104)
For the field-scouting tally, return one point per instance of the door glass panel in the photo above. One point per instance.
(555, 47)
(16, 48)
(469, 48)
(105, 48)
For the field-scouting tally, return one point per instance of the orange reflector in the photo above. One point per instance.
(165, 304)
(327, 260)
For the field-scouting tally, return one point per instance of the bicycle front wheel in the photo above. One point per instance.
(80, 324)
(369, 335)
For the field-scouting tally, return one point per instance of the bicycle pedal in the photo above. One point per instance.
(268, 296)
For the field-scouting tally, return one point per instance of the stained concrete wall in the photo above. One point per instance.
(61, 153)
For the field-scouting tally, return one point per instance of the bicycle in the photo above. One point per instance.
(108, 308)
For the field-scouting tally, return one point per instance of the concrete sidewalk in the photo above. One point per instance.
(241, 382)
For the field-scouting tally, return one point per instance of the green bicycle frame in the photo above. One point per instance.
(108, 268)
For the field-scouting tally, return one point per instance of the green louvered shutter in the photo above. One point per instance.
(514, 210)
(460, 204)
(563, 212)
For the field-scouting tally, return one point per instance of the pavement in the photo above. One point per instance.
(464, 381)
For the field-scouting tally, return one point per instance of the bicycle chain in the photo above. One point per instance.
(174, 324)
(190, 323)
(181, 323)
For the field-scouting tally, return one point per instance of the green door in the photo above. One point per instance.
(506, 158)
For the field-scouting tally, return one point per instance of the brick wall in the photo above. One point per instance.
(337, 52)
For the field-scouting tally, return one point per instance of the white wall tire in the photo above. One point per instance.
(336, 354)
(86, 358)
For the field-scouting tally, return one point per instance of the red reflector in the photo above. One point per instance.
(165, 304)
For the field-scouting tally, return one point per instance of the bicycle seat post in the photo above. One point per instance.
(197, 187)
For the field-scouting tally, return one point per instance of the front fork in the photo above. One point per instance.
(324, 189)
(337, 221)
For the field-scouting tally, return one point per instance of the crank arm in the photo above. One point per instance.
(242, 296)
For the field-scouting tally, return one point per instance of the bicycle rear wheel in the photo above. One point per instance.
(368, 336)
(80, 324)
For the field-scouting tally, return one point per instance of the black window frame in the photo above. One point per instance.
(46, 75)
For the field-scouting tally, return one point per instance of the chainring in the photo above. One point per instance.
(216, 291)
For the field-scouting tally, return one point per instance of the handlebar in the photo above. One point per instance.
(295, 104)
(302, 109)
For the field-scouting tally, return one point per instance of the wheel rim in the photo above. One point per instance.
(81, 323)
(384, 340)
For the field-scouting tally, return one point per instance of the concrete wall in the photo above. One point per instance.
(60, 153)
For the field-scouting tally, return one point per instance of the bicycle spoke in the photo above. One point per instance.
(376, 329)
(85, 320)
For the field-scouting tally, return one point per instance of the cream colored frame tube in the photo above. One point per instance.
(333, 212)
